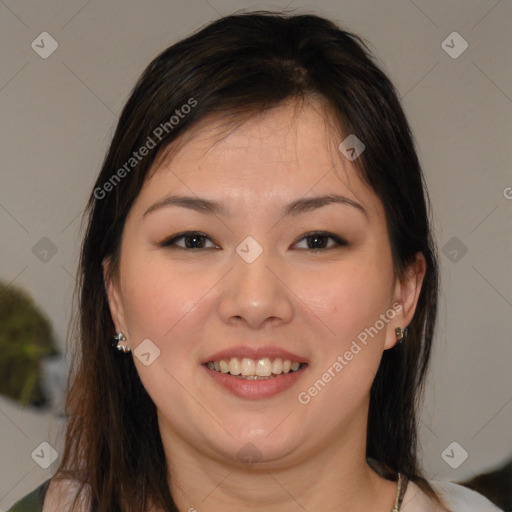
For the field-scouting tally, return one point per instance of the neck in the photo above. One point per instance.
(335, 477)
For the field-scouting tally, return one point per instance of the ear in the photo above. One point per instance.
(405, 298)
(114, 299)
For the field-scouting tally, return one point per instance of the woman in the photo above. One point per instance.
(259, 250)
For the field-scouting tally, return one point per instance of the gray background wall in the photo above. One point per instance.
(58, 115)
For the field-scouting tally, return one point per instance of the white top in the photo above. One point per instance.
(456, 497)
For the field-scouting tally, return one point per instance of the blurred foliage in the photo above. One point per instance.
(25, 339)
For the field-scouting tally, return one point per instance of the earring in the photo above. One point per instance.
(118, 343)
(401, 334)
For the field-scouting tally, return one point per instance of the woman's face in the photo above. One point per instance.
(255, 281)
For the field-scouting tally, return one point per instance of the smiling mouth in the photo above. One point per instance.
(255, 369)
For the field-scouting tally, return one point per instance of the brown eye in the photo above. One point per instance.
(196, 240)
(192, 240)
(318, 240)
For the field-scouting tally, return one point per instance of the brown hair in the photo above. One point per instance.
(242, 64)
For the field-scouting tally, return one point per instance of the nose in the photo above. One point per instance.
(256, 293)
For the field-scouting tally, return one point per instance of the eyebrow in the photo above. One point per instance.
(294, 208)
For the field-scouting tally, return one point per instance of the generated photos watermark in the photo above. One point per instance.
(145, 149)
(341, 361)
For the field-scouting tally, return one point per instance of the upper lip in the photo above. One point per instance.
(242, 351)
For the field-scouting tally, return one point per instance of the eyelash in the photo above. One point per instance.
(170, 243)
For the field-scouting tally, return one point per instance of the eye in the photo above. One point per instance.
(318, 240)
(196, 240)
(193, 240)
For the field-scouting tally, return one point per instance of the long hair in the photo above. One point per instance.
(240, 65)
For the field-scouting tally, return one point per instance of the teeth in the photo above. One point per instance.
(234, 366)
(252, 368)
(248, 367)
(263, 368)
(277, 366)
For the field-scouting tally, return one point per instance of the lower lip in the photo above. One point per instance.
(258, 388)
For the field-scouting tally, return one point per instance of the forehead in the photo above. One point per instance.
(281, 154)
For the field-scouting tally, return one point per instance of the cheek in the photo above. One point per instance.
(157, 297)
(350, 297)
(161, 305)
(349, 303)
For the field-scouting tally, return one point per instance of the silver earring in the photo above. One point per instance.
(118, 343)
(401, 334)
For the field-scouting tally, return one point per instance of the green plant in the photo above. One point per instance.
(25, 338)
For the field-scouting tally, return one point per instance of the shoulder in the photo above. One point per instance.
(32, 502)
(52, 496)
(464, 498)
(61, 495)
(456, 497)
